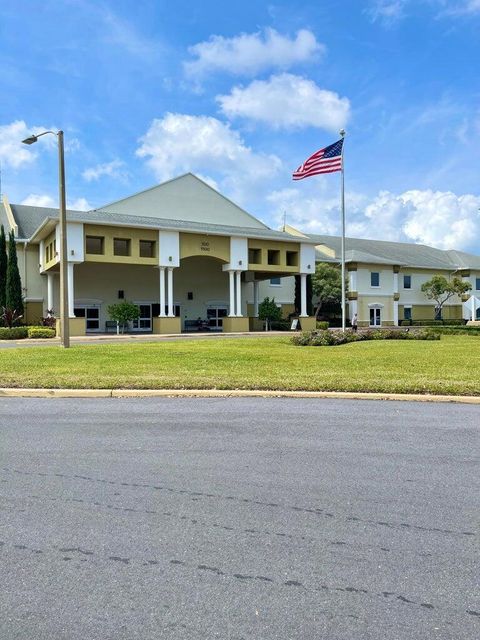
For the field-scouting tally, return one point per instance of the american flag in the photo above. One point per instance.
(325, 160)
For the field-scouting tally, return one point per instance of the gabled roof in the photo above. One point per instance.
(395, 253)
(185, 198)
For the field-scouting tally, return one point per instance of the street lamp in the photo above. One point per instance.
(64, 328)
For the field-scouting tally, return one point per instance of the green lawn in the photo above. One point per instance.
(450, 366)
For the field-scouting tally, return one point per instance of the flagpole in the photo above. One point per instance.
(342, 198)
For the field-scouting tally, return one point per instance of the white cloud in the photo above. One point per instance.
(114, 169)
(440, 219)
(462, 7)
(287, 101)
(179, 143)
(45, 200)
(40, 200)
(250, 53)
(12, 152)
(387, 11)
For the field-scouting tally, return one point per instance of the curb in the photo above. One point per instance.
(233, 393)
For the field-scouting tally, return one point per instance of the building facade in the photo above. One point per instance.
(183, 253)
(189, 257)
(385, 279)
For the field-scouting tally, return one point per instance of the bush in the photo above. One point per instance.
(322, 324)
(280, 325)
(13, 333)
(334, 338)
(41, 332)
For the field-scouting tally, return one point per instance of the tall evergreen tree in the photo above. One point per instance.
(3, 268)
(14, 299)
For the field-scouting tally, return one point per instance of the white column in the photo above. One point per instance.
(49, 291)
(162, 292)
(239, 294)
(473, 307)
(353, 308)
(303, 295)
(171, 313)
(395, 283)
(395, 313)
(231, 312)
(353, 280)
(255, 298)
(71, 292)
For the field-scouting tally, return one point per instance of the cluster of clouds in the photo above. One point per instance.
(280, 100)
(391, 11)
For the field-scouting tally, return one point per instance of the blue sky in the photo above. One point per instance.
(241, 94)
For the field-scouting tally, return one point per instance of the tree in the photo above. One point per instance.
(268, 311)
(327, 287)
(123, 313)
(3, 267)
(440, 289)
(13, 289)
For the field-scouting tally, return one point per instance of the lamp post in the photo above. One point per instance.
(64, 311)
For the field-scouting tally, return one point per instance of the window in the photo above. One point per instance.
(255, 256)
(374, 279)
(94, 245)
(477, 284)
(407, 284)
(276, 282)
(407, 313)
(121, 247)
(147, 249)
(273, 256)
(292, 258)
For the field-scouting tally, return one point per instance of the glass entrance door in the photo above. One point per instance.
(215, 317)
(375, 318)
(91, 315)
(144, 322)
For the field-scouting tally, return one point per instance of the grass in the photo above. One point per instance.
(448, 366)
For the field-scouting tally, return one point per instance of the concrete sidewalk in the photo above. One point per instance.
(109, 338)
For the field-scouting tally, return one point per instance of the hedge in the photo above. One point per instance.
(432, 323)
(15, 333)
(334, 338)
(41, 332)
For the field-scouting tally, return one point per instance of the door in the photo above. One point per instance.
(215, 317)
(91, 315)
(375, 318)
(144, 322)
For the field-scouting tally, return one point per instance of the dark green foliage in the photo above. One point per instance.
(309, 295)
(322, 324)
(13, 295)
(3, 267)
(268, 310)
(14, 333)
(123, 313)
(41, 332)
(280, 325)
(297, 298)
(327, 288)
(441, 289)
(334, 338)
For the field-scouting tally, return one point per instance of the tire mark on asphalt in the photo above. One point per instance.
(242, 577)
(312, 510)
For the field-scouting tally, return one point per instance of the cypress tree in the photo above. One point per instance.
(3, 267)
(14, 298)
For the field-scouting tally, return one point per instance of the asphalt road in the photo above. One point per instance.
(238, 518)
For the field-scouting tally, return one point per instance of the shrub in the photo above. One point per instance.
(334, 338)
(41, 332)
(13, 333)
(322, 324)
(280, 325)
